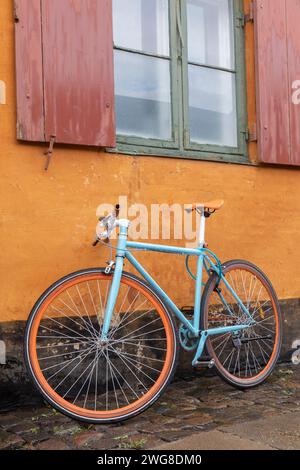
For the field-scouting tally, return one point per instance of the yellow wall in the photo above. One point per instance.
(48, 218)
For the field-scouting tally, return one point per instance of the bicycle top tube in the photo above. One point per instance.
(163, 248)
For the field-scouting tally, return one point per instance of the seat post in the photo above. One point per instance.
(202, 229)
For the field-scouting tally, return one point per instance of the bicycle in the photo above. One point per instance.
(101, 344)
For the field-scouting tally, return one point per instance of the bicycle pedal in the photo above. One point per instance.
(204, 364)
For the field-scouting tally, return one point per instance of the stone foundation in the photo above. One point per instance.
(15, 383)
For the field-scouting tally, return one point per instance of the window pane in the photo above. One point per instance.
(212, 106)
(142, 25)
(143, 96)
(211, 32)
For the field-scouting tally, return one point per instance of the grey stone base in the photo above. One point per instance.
(15, 383)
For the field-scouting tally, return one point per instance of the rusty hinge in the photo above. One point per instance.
(49, 152)
(240, 18)
(251, 134)
(249, 17)
(244, 18)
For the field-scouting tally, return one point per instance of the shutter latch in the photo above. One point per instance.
(49, 152)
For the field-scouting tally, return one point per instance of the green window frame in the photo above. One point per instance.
(180, 145)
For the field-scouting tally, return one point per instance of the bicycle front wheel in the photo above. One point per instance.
(245, 358)
(89, 379)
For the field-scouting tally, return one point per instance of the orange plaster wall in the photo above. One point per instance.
(47, 219)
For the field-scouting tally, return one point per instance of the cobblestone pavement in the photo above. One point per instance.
(195, 404)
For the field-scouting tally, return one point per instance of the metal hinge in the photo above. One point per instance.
(49, 152)
(249, 17)
(251, 134)
(244, 18)
(241, 20)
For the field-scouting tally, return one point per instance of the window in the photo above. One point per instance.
(211, 72)
(170, 71)
(179, 78)
(142, 68)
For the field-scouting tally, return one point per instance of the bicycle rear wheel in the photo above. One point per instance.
(96, 381)
(244, 359)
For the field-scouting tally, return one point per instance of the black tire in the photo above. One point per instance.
(232, 378)
(36, 382)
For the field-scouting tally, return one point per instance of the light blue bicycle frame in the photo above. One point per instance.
(123, 251)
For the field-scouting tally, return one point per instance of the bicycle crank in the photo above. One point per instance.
(187, 340)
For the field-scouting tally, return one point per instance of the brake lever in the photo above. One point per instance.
(105, 223)
(96, 242)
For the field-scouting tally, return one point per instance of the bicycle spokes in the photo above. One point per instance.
(246, 353)
(95, 374)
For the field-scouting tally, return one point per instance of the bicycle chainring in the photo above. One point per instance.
(187, 340)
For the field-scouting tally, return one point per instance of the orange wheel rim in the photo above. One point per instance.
(107, 414)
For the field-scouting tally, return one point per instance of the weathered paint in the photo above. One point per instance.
(278, 65)
(30, 106)
(272, 81)
(251, 83)
(48, 219)
(2, 92)
(293, 48)
(78, 71)
(65, 71)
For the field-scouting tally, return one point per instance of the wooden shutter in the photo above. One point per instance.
(293, 47)
(76, 48)
(277, 66)
(30, 107)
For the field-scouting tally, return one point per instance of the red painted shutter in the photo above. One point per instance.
(293, 28)
(277, 66)
(29, 73)
(77, 71)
